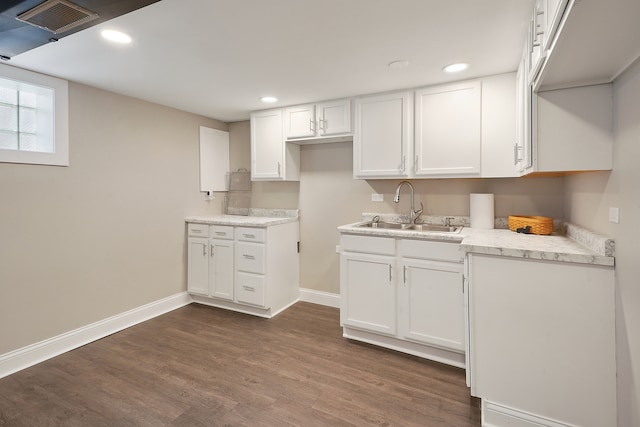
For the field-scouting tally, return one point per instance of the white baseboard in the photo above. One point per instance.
(320, 297)
(30, 355)
(498, 415)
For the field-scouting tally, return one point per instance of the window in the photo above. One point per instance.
(33, 118)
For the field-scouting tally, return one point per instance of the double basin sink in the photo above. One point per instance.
(412, 227)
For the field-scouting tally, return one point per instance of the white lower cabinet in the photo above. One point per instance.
(404, 294)
(249, 269)
(542, 342)
(369, 292)
(431, 296)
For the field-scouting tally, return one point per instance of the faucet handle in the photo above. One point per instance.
(447, 221)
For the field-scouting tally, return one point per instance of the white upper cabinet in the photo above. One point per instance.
(318, 121)
(271, 158)
(382, 135)
(553, 12)
(535, 40)
(334, 117)
(447, 130)
(299, 121)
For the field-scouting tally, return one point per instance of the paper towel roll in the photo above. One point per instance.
(482, 213)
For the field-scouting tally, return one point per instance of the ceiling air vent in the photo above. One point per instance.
(57, 16)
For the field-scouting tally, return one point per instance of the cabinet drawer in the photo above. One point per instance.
(250, 257)
(428, 249)
(250, 289)
(247, 234)
(198, 230)
(221, 232)
(368, 244)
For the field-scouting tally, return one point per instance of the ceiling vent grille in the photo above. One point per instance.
(57, 16)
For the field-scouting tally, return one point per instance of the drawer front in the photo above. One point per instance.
(247, 234)
(250, 289)
(250, 257)
(224, 232)
(198, 230)
(428, 249)
(368, 244)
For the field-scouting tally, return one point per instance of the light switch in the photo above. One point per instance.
(377, 197)
(614, 215)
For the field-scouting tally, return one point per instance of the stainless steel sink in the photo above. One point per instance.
(391, 225)
(434, 228)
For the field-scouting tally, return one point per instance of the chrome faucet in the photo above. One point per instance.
(413, 214)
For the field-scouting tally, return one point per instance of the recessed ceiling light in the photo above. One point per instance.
(395, 65)
(269, 99)
(116, 36)
(456, 68)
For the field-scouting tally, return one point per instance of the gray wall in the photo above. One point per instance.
(106, 234)
(588, 198)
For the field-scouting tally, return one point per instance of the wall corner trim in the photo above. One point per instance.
(320, 297)
(32, 354)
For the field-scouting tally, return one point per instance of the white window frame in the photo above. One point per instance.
(60, 155)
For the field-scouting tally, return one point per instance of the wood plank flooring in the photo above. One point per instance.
(202, 366)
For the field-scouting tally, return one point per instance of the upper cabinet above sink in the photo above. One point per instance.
(595, 41)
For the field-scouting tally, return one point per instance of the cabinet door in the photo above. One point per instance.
(198, 268)
(267, 145)
(535, 38)
(299, 121)
(432, 303)
(523, 156)
(553, 15)
(221, 269)
(382, 135)
(334, 117)
(368, 293)
(448, 131)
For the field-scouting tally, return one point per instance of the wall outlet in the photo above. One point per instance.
(614, 215)
(377, 197)
(337, 249)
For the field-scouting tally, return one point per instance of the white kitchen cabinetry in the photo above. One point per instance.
(382, 134)
(461, 130)
(570, 130)
(318, 121)
(254, 270)
(210, 255)
(432, 294)
(535, 40)
(403, 294)
(542, 341)
(447, 130)
(369, 292)
(272, 159)
(553, 11)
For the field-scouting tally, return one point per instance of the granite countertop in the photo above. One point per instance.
(256, 218)
(577, 246)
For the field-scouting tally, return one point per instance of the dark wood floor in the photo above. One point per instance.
(201, 366)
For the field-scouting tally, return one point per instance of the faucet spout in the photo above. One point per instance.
(413, 213)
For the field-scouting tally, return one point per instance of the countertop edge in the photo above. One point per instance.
(569, 250)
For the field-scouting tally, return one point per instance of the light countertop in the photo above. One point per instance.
(256, 218)
(502, 242)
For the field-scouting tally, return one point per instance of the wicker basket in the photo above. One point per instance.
(538, 224)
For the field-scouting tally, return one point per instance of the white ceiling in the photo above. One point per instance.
(218, 57)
